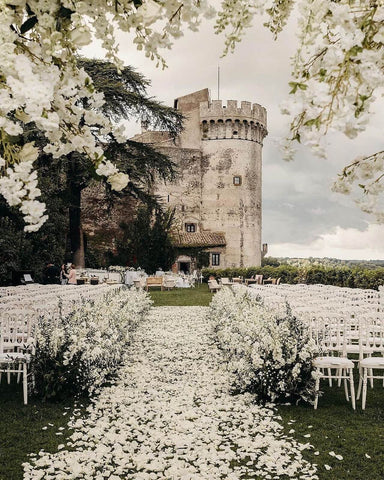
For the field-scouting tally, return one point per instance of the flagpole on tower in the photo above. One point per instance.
(218, 82)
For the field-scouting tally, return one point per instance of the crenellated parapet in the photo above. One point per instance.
(247, 122)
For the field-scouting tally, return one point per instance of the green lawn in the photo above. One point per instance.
(21, 428)
(335, 426)
(200, 295)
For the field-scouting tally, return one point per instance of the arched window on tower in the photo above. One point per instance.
(220, 129)
(205, 129)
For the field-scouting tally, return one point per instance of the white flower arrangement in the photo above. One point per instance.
(268, 351)
(79, 352)
(117, 268)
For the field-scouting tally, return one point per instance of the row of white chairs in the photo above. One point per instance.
(19, 312)
(346, 341)
(347, 324)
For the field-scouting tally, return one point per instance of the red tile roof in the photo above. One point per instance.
(198, 239)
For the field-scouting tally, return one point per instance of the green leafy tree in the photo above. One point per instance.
(273, 262)
(126, 97)
(63, 180)
(146, 242)
(32, 251)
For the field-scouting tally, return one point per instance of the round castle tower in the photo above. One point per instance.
(231, 141)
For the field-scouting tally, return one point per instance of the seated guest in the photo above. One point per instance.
(51, 273)
(63, 275)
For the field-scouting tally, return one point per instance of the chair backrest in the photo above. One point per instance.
(15, 331)
(330, 333)
(154, 280)
(372, 334)
(259, 279)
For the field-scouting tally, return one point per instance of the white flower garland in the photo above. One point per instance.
(87, 344)
(268, 350)
(337, 76)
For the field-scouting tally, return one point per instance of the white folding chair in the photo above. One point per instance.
(16, 347)
(372, 366)
(331, 337)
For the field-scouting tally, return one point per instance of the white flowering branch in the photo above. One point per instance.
(41, 83)
(337, 74)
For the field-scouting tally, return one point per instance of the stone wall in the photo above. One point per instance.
(233, 209)
(219, 173)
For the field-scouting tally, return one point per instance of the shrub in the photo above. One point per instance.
(79, 352)
(269, 352)
(339, 276)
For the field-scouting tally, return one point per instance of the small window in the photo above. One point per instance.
(190, 227)
(237, 180)
(215, 259)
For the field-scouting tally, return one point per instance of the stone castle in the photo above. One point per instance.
(217, 192)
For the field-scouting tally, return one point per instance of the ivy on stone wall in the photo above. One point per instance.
(146, 242)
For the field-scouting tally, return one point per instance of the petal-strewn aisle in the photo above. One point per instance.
(170, 416)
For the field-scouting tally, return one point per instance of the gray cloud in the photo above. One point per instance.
(298, 204)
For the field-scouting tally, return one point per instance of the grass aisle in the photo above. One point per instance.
(198, 296)
(170, 416)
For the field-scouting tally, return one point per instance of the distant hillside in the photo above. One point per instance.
(326, 262)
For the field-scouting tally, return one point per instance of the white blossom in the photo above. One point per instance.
(118, 181)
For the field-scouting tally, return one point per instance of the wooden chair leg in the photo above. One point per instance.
(360, 385)
(25, 384)
(371, 377)
(341, 374)
(352, 387)
(19, 373)
(346, 389)
(364, 395)
(317, 387)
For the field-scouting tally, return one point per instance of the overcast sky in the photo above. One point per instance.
(301, 216)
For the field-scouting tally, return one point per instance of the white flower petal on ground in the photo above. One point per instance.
(170, 415)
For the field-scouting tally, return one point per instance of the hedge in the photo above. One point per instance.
(354, 277)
